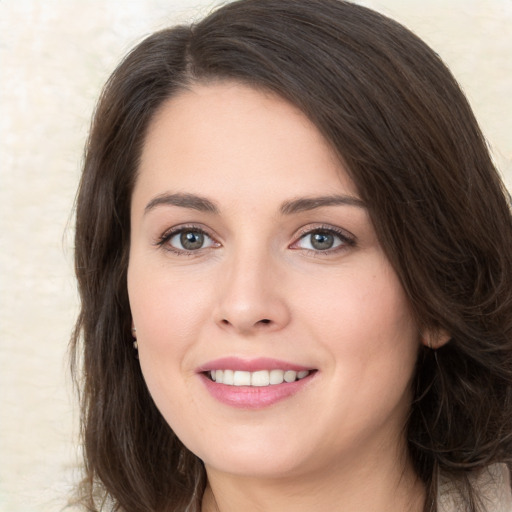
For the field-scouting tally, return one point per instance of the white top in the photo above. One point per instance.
(492, 485)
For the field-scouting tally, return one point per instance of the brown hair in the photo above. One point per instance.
(397, 118)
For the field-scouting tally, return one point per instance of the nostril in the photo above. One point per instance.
(264, 321)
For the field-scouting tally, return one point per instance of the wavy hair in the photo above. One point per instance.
(399, 122)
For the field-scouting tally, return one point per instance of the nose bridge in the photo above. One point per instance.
(250, 298)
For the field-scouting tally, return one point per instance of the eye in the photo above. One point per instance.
(323, 239)
(185, 240)
(319, 241)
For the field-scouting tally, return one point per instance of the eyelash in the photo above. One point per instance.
(168, 235)
(345, 238)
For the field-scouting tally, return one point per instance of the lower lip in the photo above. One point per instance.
(254, 397)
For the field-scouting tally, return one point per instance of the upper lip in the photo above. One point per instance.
(250, 365)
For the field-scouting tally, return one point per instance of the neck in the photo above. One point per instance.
(377, 483)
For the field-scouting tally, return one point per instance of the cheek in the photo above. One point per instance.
(366, 304)
(364, 322)
(366, 328)
(167, 307)
(166, 312)
(170, 309)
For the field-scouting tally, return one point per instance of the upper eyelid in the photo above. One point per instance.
(347, 240)
(186, 227)
(347, 236)
(174, 230)
(308, 229)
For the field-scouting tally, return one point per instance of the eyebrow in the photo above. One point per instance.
(202, 204)
(192, 201)
(311, 203)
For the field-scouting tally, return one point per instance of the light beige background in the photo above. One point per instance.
(54, 56)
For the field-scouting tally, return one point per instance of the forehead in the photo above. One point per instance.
(227, 136)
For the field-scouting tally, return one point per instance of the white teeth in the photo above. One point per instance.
(229, 377)
(276, 376)
(260, 378)
(241, 378)
(290, 376)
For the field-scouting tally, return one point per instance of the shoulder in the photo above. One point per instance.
(492, 485)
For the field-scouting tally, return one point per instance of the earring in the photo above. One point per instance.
(135, 344)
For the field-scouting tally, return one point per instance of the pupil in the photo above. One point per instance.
(322, 241)
(191, 240)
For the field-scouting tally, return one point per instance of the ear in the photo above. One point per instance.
(435, 338)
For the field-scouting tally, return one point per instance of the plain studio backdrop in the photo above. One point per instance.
(54, 57)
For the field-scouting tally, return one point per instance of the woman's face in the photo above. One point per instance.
(253, 258)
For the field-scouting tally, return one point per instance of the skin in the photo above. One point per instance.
(340, 311)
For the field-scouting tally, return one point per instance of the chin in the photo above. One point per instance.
(254, 458)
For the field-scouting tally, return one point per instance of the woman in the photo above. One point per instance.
(290, 212)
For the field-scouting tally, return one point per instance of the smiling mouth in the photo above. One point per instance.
(260, 378)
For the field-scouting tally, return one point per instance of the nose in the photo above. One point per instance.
(251, 297)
